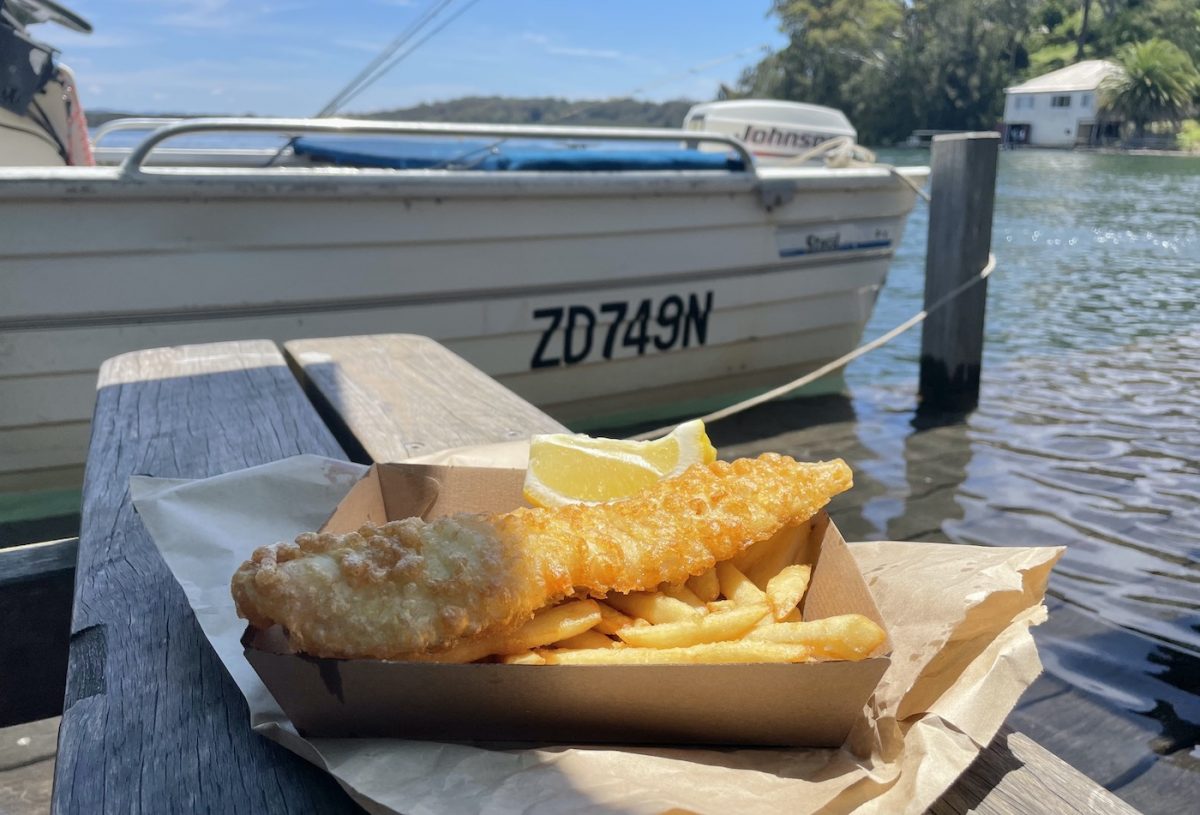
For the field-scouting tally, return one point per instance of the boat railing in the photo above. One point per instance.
(134, 164)
(130, 123)
(196, 156)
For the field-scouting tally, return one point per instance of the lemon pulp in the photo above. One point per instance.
(567, 469)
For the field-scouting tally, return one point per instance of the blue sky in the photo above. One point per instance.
(287, 58)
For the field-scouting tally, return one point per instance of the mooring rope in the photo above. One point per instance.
(844, 151)
(840, 362)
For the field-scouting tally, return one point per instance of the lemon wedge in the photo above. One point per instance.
(567, 468)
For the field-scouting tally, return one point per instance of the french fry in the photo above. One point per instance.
(526, 658)
(751, 554)
(551, 625)
(547, 626)
(737, 587)
(706, 653)
(728, 625)
(652, 607)
(721, 605)
(778, 552)
(846, 636)
(590, 639)
(705, 585)
(612, 621)
(786, 589)
(685, 595)
(792, 616)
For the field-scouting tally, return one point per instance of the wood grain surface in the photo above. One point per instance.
(392, 396)
(151, 722)
(1013, 775)
(27, 767)
(1016, 776)
(960, 236)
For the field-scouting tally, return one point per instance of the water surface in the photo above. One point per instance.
(1087, 436)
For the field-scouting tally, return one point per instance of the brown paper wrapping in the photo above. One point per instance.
(958, 616)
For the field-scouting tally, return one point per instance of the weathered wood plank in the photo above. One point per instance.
(27, 767)
(960, 237)
(392, 396)
(1016, 776)
(34, 561)
(1013, 775)
(36, 582)
(152, 723)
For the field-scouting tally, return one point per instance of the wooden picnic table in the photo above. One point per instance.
(151, 721)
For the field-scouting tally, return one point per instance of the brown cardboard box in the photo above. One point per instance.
(811, 704)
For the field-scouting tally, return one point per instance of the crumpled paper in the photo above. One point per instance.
(959, 618)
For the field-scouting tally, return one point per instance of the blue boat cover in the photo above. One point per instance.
(402, 154)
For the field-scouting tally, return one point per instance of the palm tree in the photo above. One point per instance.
(1158, 82)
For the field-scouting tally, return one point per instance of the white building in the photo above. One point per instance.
(1057, 109)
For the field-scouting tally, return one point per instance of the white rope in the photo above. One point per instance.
(843, 151)
(840, 362)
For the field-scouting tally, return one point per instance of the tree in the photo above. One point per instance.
(845, 54)
(897, 65)
(1158, 82)
(1083, 26)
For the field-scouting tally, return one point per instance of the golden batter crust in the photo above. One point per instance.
(409, 586)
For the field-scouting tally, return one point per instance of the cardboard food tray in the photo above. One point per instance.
(807, 704)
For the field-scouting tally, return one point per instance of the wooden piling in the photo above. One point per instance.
(963, 185)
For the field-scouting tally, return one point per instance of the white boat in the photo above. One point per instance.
(592, 281)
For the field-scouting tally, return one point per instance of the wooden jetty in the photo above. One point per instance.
(151, 722)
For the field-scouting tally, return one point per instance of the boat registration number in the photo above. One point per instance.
(573, 334)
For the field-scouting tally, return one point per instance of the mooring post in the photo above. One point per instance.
(963, 192)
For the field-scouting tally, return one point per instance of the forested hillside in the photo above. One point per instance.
(897, 65)
(548, 110)
(511, 110)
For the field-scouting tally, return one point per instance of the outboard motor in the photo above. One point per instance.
(775, 131)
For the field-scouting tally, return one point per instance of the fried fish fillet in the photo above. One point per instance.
(412, 586)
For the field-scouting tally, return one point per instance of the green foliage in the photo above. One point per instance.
(1051, 57)
(1158, 83)
(1189, 136)
(842, 53)
(898, 65)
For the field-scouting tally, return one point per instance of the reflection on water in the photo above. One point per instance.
(1087, 435)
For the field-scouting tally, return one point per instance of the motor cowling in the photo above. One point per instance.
(775, 131)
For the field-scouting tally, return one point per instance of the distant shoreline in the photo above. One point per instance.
(490, 110)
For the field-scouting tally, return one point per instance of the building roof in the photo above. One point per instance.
(1082, 76)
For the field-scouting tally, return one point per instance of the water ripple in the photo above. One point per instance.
(1088, 429)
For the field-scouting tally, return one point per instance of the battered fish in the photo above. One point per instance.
(410, 586)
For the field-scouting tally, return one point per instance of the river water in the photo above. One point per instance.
(1087, 435)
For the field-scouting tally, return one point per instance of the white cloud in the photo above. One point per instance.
(549, 46)
(210, 15)
(588, 53)
(199, 14)
(72, 41)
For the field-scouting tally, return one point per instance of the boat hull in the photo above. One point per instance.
(600, 300)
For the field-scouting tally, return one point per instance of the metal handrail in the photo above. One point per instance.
(132, 166)
(131, 123)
